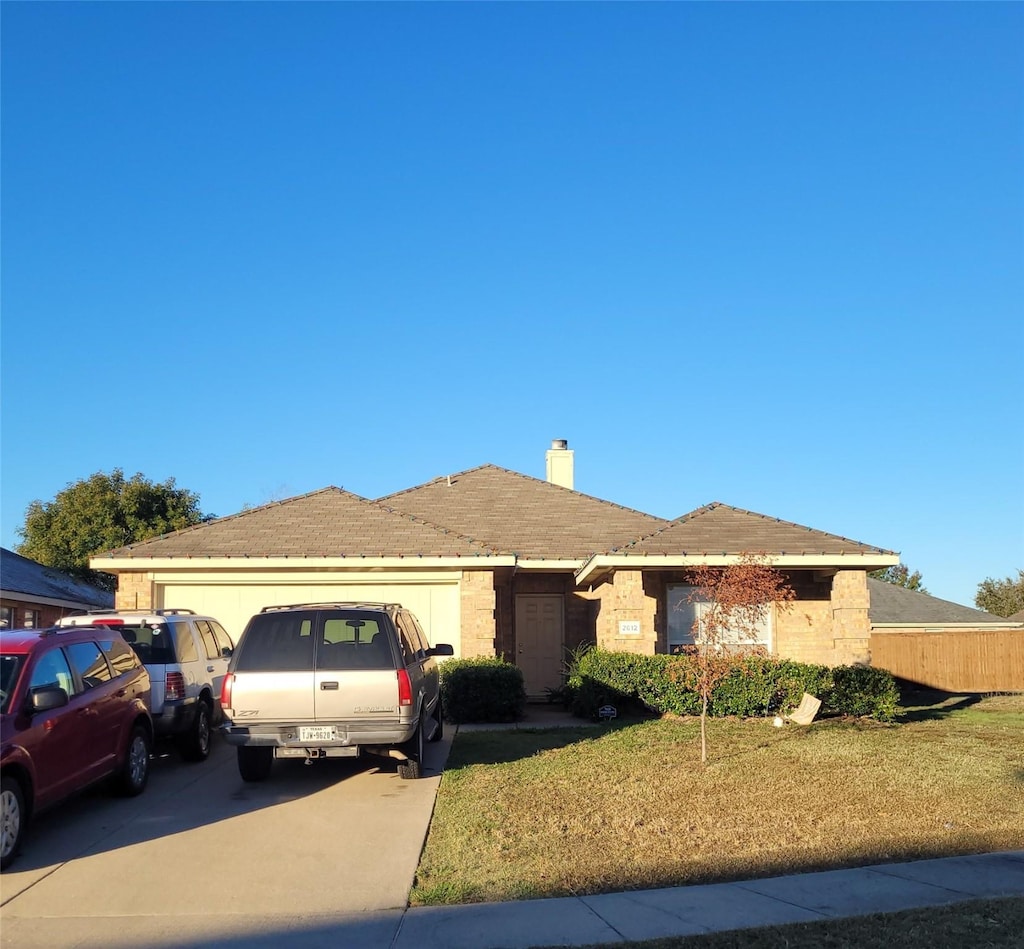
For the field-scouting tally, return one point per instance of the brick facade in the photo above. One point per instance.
(478, 606)
(627, 599)
(135, 591)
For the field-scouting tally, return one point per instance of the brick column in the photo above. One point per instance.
(624, 600)
(135, 591)
(478, 607)
(851, 628)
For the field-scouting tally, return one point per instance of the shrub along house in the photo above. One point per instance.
(497, 562)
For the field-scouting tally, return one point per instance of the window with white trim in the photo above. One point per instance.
(682, 614)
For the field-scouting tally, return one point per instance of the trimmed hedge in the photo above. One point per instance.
(486, 689)
(757, 686)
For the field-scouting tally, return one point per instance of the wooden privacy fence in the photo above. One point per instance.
(963, 660)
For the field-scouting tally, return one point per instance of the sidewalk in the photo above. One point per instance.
(693, 910)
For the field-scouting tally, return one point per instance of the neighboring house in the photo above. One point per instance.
(897, 609)
(942, 645)
(497, 562)
(32, 595)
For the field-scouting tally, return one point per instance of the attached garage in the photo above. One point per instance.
(232, 598)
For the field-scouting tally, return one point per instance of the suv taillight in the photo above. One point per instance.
(225, 691)
(404, 688)
(174, 687)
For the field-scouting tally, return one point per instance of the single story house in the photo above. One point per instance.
(943, 645)
(895, 609)
(32, 595)
(498, 562)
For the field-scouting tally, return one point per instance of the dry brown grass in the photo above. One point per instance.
(572, 811)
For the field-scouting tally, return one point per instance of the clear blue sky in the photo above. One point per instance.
(766, 254)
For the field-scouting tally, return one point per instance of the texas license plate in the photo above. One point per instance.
(318, 733)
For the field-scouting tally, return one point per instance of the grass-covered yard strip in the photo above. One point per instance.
(525, 814)
(980, 924)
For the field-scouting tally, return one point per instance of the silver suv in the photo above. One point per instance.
(332, 680)
(187, 657)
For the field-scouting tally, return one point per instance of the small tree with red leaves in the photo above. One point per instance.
(735, 600)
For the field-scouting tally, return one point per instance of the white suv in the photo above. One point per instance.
(331, 680)
(187, 657)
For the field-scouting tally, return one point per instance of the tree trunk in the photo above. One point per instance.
(703, 730)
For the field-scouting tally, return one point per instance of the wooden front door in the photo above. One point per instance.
(540, 633)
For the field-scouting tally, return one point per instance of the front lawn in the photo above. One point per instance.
(524, 814)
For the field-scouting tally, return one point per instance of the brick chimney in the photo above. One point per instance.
(559, 463)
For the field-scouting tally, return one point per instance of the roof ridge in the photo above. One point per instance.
(714, 505)
(424, 484)
(416, 519)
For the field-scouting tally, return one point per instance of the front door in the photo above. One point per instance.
(539, 629)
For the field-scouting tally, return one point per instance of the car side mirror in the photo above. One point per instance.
(441, 649)
(47, 698)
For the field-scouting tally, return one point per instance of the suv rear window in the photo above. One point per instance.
(287, 641)
(154, 644)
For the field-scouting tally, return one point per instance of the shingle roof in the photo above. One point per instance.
(513, 512)
(19, 575)
(894, 604)
(720, 529)
(330, 522)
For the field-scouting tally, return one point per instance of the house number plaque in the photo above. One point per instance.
(629, 627)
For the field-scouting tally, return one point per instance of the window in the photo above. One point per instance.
(682, 614)
(6, 617)
(224, 643)
(407, 637)
(119, 655)
(183, 642)
(51, 670)
(277, 642)
(32, 618)
(89, 663)
(8, 676)
(209, 640)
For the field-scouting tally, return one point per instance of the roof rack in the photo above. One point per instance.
(160, 612)
(348, 605)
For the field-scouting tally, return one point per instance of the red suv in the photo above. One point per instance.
(74, 708)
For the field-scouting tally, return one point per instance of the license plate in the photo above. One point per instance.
(318, 733)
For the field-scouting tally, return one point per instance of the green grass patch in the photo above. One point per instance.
(560, 812)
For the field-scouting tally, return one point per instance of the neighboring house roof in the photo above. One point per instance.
(1017, 617)
(892, 605)
(330, 522)
(534, 519)
(720, 529)
(24, 579)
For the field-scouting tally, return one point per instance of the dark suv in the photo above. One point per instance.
(328, 680)
(74, 709)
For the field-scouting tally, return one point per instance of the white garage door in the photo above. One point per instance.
(436, 605)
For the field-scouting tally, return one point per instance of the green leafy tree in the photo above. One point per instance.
(900, 576)
(99, 513)
(1001, 597)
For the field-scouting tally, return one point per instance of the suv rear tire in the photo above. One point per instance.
(194, 745)
(255, 762)
(134, 774)
(412, 767)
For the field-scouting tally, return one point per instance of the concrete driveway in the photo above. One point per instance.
(202, 857)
